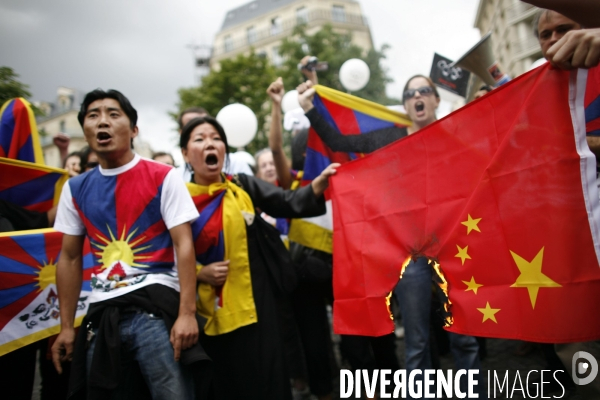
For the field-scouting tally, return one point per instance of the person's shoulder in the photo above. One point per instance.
(157, 170)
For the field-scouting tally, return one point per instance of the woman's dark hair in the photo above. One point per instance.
(428, 79)
(100, 94)
(73, 154)
(189, 127)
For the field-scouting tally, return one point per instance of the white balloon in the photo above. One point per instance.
(354, 74)
(290, 101)
(239, 123)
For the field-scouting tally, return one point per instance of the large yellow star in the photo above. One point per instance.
(471, 224)
(488, 313)
(462, 254)
(472, 285)
(531, 276)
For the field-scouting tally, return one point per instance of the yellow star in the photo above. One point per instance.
(531, 276)
(488, 313)
(462, 254)
(472, 285)
(471, 224)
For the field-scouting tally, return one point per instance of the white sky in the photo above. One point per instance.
(139, 46)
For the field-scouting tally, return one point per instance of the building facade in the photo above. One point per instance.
(513, 41)
(263, 24)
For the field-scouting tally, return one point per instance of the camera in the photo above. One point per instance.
(313, 64)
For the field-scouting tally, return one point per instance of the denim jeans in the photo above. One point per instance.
(145, 341)
(414, 298)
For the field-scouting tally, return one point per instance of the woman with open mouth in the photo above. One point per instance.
(238, 284)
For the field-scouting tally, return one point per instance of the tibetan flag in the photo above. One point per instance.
(29, 309)
(500, 196)
(31, 186)
(19, 138)
(347, 114)
(592, 103)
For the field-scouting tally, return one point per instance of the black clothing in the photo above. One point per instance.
(249, 361)
(354, 143)
(104, 316)
(22, 219)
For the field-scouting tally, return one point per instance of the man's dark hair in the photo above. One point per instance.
(198, 110)
(100, 94)
(189, 127)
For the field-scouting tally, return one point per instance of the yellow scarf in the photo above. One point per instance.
(235, 307)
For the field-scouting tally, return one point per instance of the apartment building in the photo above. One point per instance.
(263, 24)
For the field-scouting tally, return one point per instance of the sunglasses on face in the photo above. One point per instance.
(423, 91)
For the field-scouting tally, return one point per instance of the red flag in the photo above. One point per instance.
(501, 195)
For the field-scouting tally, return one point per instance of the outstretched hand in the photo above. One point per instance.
(276, 91)
(576, 49)
(306, 93)
(321, 182)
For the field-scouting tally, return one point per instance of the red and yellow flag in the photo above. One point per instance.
(501, 196)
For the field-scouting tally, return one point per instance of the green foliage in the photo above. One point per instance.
(10, 88)
(335, 48)
(244, 80)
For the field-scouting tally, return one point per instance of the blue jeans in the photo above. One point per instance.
(414, 298)
(145, 340)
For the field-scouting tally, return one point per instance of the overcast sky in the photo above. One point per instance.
(140, 46)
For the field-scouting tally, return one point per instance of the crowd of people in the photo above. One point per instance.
(202, 294)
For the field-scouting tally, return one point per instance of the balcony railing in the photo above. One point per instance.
(286, 27)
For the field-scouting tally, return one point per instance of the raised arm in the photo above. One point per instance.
(68, 284)
(282, 164)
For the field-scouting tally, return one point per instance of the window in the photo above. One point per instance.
(228, 43)
(275, 25)
(302, 15)
(338, 14)
(251, 35)
(276, 57)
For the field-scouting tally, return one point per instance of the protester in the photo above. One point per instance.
(61, 141)
(72, 164)
(265, 166)
(238, 286)
(483, 90)
(233, 164)
(413, 292)
(142, 308)
(164, 158)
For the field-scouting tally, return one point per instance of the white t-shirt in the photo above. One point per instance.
(176, 208)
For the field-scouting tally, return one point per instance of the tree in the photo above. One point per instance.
(244, 80)
(10, 88)
(335, 48)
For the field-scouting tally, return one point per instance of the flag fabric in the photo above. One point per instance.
(348, 115)
(32, 186)
(500, 196)
(592, 103)
(29, 309)
(19, 138)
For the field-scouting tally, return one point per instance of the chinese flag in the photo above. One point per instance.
(502, 195)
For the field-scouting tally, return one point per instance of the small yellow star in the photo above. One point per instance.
(472, 285)
(488, 313)
(531, 276)
(462, 254)
(471, 224)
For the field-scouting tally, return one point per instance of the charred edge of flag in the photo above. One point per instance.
(442, 283)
